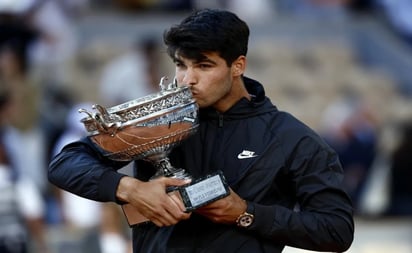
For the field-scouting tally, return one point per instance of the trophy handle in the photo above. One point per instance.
(104, 121)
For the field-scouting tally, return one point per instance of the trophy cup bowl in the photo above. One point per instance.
(145, 128)
(149, 128)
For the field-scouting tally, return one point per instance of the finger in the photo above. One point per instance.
(162, 218)
(175, 181)
(170, 212)
(177, 199)
(161, 221)
(179, 209)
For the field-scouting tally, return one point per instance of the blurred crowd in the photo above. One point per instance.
(48, 72)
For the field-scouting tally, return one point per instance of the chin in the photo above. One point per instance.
(201, 105)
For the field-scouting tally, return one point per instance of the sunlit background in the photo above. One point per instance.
(344, 67)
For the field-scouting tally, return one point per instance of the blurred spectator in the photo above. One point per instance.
(131, 75)
(400, 191)
(21, 204)
(350, 128)
(29, 29)
(16, 39)
(113, 237)
(57, 43)
(44, 32)
(29, 158)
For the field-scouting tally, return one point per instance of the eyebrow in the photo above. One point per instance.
(196, 61)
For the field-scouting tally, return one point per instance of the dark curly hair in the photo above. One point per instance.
(206, 31)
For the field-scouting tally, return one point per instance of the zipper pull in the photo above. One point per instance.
(220, 120)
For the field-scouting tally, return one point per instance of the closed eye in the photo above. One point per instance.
(205, 66)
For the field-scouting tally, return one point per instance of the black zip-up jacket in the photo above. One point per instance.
(290, 175)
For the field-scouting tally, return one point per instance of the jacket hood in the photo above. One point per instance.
(244, 108)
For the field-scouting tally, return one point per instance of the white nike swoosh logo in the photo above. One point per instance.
(246, 154)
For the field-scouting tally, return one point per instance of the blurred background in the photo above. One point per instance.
(344, 67)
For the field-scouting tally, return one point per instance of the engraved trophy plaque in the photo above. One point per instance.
(149, 128)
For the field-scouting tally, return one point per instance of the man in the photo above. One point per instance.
(285, 182)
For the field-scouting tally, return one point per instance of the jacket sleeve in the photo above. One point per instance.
(81, 169)
(323, 220)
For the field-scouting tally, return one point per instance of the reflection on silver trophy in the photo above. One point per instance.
(149, 128)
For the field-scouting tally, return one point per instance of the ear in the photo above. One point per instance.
(239, 66)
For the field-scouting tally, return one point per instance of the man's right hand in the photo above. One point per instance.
(151, 199)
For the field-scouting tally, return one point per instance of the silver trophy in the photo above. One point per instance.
(149, 128)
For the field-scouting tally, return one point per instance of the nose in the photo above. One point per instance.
(189, 77)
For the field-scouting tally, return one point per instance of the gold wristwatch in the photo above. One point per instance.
(246, 219)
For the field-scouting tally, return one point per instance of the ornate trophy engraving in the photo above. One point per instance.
(149, 128)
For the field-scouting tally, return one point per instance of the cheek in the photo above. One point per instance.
(223, 85)
(219, 89)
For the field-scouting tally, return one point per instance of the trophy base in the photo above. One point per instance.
(198, 193)
(133, 216)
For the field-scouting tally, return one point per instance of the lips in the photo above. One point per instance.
(194, 92)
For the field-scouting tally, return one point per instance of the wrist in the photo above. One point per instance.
(126, 184)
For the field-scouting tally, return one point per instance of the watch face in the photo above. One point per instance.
(245, 220)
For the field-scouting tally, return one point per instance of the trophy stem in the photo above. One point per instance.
(164, 168)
